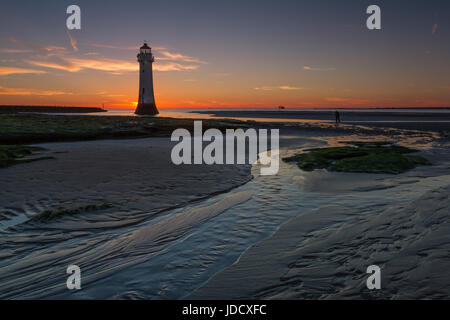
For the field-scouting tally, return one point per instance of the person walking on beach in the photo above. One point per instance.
(337, 116)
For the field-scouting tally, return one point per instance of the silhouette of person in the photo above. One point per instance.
(337, 116)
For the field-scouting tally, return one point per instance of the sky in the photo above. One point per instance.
(227, 54)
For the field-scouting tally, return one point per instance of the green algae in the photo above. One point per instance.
(363, 157)
(15, 154)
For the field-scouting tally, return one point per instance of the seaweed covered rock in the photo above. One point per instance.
(377, 157)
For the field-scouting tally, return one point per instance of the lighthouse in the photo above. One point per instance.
(146, 103)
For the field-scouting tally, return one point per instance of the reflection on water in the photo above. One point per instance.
(169, 255)
(175, 113)
(290, 116)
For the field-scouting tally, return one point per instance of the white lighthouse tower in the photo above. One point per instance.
(146, 103)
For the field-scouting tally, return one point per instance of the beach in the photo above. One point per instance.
(135, 174)
(323, 255)
(142, 228)
(433, 119)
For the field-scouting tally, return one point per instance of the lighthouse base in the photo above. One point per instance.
(146, 109)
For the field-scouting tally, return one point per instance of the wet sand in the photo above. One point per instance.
(133, 175)
(411, 119)
(343, 223)
(136, 177)
(323, 254)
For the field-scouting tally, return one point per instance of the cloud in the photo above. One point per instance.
(114, 66)
(49, 49)
(178, 57)
(174, 67)
(31, 48)
(26, 92)
(4, 71)
(53, 48)
(434, 30)
(269, 88)
(55, 65)
(103, 64)
(163, 53)
(56, 57)
(78, 64)
(73, 41)
(289, 88)
(308, 68)
(15, 50)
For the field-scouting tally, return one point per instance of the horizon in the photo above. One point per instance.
(233, 108)
(228, 55)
